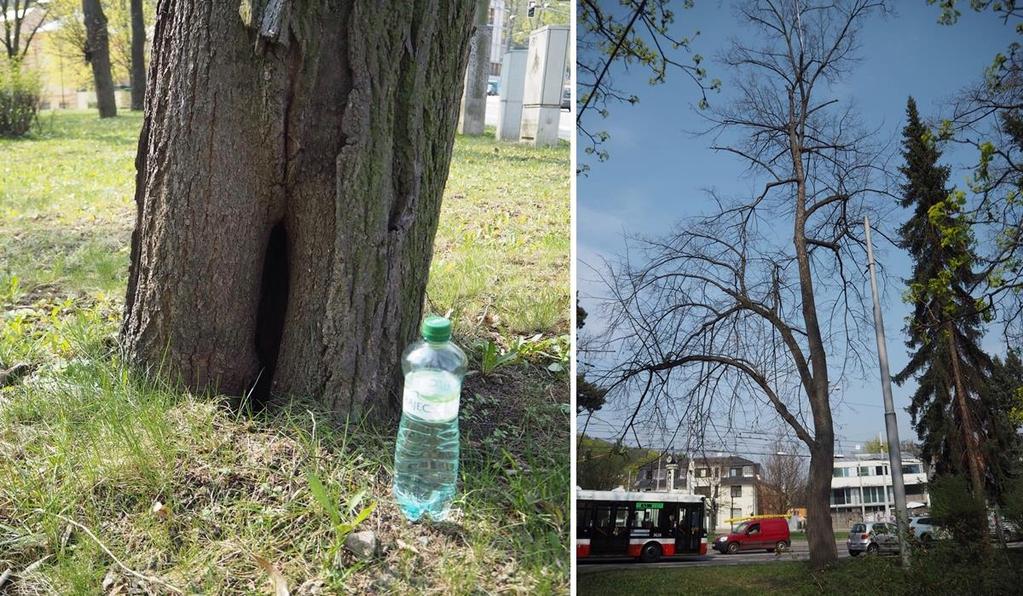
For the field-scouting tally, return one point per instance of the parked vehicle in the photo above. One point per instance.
(1010, 533)
(566, 98)
(925, 529)
(873, 538)
(769, 534)
(493, 85)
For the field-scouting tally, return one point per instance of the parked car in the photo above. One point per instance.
(757, 534)
(1010, 533)
(873, 538)
(493, 85)
(925, 529)
(566, 98)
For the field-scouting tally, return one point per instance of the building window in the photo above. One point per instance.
(911, 469)
(702, 472)
(747, 471)
(880, 471)
(736, 490)
(702, 491)
(841, 472)
(864, 471)
(649, 474)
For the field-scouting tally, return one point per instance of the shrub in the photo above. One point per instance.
(19, 99)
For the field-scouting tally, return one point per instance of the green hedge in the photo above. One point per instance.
(19, 99)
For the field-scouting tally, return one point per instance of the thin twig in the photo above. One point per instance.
(6, 575)
(126, 569)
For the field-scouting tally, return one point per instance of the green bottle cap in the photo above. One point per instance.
(436, 329)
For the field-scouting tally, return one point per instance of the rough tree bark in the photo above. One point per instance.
(97, 53)
(290, 173)
(138, 56)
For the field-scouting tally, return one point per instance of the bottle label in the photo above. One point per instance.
(429, 398)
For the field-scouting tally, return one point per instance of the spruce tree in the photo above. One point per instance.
(945, 328)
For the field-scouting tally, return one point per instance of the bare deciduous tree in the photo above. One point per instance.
(765, 296)
(20, 19)
(784, 471)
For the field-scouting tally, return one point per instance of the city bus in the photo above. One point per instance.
(643, 525)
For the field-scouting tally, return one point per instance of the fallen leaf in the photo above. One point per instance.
(277, 581)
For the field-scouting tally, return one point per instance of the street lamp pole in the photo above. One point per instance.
(894, 453)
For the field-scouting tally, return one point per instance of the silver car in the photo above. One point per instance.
(873, 538)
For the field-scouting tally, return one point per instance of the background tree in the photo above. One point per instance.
(290, 173)
(1002, 398)
(627, 32)
(729, 309)
(97, 53)
(875, 446)
(785, 472)
(21, 19)
(589, 397)
(988, 117)
(138, 55)
(945, 329)
(472, 116)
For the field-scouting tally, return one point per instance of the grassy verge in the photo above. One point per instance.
(866, 576)
(113, 482)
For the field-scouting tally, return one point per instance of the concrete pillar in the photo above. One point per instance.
(473, 112)
(545, 74)
(513, 82)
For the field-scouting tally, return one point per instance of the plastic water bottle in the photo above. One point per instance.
(426, 454)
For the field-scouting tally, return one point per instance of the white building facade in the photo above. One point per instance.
(861, 488)
(728, 482)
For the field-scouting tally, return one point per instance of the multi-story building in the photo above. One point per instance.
(861, 488)
(730, 483)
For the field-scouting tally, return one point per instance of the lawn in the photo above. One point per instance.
(868, 576)
(111, 482)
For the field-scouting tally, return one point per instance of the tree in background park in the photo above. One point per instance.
(20, 20)
(785, 474)
(97, 54)
(290, 173)
(125, 34)
(138, 54)
(960, 427)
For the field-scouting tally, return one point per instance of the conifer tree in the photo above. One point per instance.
(946, 325)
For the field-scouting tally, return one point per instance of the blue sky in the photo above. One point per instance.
(658, 172)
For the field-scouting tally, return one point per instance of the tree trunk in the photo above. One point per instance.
(290, 173)
(97, 53)
(138, 55)
(970, 443)
(473, 115)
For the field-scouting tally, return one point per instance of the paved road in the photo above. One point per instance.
(565, 127)
(798, 552)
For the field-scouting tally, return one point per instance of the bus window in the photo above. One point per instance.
(602, 520)
(621, 519)
(584, 520)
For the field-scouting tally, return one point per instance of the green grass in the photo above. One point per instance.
(87, 444)
(867, 576)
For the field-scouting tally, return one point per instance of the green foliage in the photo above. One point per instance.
(19, 99)
(957, 509)
(945, 323)
(490, 357)
(589, 396)
(329, 501)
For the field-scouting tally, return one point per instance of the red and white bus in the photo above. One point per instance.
(647, 526)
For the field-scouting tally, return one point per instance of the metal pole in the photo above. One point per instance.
(894, 454)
